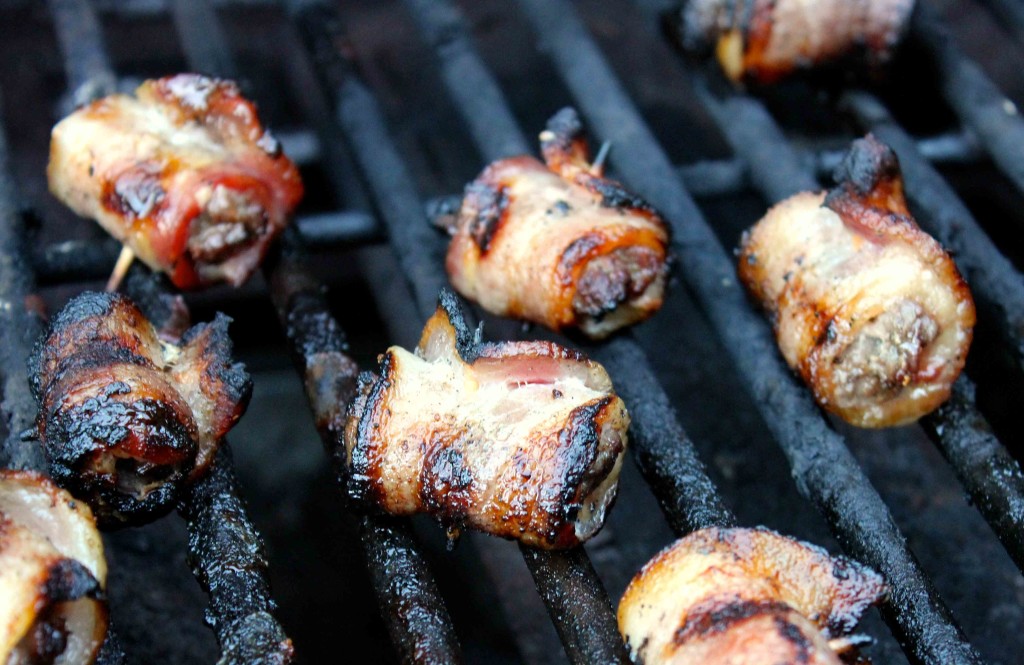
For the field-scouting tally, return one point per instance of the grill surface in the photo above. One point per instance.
(700, 356)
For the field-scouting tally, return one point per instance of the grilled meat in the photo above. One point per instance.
(764, 40)
(518, 439)
(745, 596)
(52, 572)
(182, 173)
(558, 244)
(867, 307)
(126, 418)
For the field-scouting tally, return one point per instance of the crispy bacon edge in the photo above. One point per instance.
(136, 193)
(555, 521)
(52, 573)
(831, 593)
(120, 429)
(593, 305)
(869, 199)
(740, 32)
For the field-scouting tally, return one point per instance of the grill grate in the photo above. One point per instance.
(825, 471)
(986, 469)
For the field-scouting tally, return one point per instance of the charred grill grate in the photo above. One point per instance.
(826, 472)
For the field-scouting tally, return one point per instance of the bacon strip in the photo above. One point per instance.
(126, 418)
(183, 173)
(764, 40)
(745, 596)
(867, 307)
(558, 244)
(52, 572)
(522, 440)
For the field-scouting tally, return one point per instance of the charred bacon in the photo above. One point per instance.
(126, 418)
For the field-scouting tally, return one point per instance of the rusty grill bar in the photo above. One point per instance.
(416, 614)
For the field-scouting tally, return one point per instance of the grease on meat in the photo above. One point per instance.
(744, 597)
(558, 244)
(52, 573)
(867, 307)
(125, 418)
(183, 173)
(765, 40)
(522, 440)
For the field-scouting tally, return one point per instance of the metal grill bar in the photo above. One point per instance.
(990, 274)
(409, 600)
(1010, 14)
(825, 470)
(589, 624)
(225, 550)
(663, 452)
(203, 38)
(587, 620)
(227, 557)
(21, 324)
(988, 472)
(412, 607)
(974, 97)
(82, 260)
(87, 66)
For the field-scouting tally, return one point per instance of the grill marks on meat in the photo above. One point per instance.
(52, 572)
(125, 418)
(739, 596)
(183, 173)
(556, 243)
(522, 440)
(764, 40)
(868, 308)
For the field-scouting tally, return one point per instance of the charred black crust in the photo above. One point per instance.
(467, 340)
(717, 617)
(491, 204)
(866, 164)
(792, 634)
(88, 305)
(614, 195)
(578, 444)
(67, 579)
(563, 128)
(446, 486)
(363, 482)
(78, 435)
(220, 371)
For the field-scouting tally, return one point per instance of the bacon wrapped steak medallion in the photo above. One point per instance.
(183, 173)
(764, 40)
(558, 244)
(745, 597)
(867, 307)
(52, 572)
(522, 440)
(125, 418)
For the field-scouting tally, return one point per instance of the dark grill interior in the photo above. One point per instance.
(392, 107)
